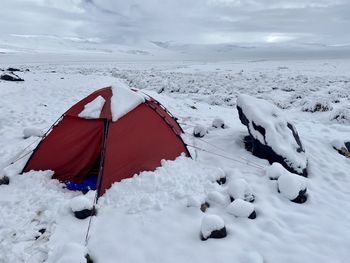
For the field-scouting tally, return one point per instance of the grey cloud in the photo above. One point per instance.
(182, 21)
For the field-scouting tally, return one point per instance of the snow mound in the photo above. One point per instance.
(240, 208)
(80, 203)
(193, 201)
(216, 197)
(239, 189)
(31, 131)
(269, 128)
(211, 223)
(218, 123)
(274, 171)
(199, 131)
(92, 110)
(124, 100)
(68, 253)
(291, 185)
(174, 180)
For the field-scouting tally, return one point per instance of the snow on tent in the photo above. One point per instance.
(108, 136)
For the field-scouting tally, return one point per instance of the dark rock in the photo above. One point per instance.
(88, 259)
(249, 198)
(252, 215)
(221, 180)
(85, 191)
(345, 151)
(11, 77)
(85, 213)
(5, 180)
(347, 145)
(41, 231)
(301, 198)
(216, 234)
(199, 131)
(266, 152)
(13, 69)
(204, 207)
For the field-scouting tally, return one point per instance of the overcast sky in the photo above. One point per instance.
(181, 21)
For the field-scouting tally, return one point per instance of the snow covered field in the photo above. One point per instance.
(155, 217)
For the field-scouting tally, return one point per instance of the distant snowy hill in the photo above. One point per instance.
(96, 49)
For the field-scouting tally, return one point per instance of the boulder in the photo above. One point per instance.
(13, 69)
(239, 189)
(212, 226)
(241, 208)
(10, 76)
(85, 213)
(199, 131)
(271, 136)
(217, 198)
(82, 207)
(218, 123)
(4, 180)
(343, 148)
(204, 207)
(292, 187)
(221, 180)
(31, 131)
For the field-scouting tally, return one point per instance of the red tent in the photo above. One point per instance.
(117, 140)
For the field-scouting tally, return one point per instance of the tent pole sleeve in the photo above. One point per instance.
(102, 159)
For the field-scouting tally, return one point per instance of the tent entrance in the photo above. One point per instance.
(89, 180)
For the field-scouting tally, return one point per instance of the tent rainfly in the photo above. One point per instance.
(112, 134)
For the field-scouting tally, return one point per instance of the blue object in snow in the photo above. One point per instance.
(88, 184)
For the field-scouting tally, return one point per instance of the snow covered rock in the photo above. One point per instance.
(213, 226)
(68, 253)
(271, 137)
(194, 201)
(274, 171)
(29, 132)
(4, 180)
(218, 198)
(218, 123)
(342, 147)
(219, 176)
(92, 110)
(241, 208)
(317, 106)
(341, 115)
(13, 69)
(292, 187)
(221, 180)
(10, 76)
(239, 189)
(199, 131)
(82, 207)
